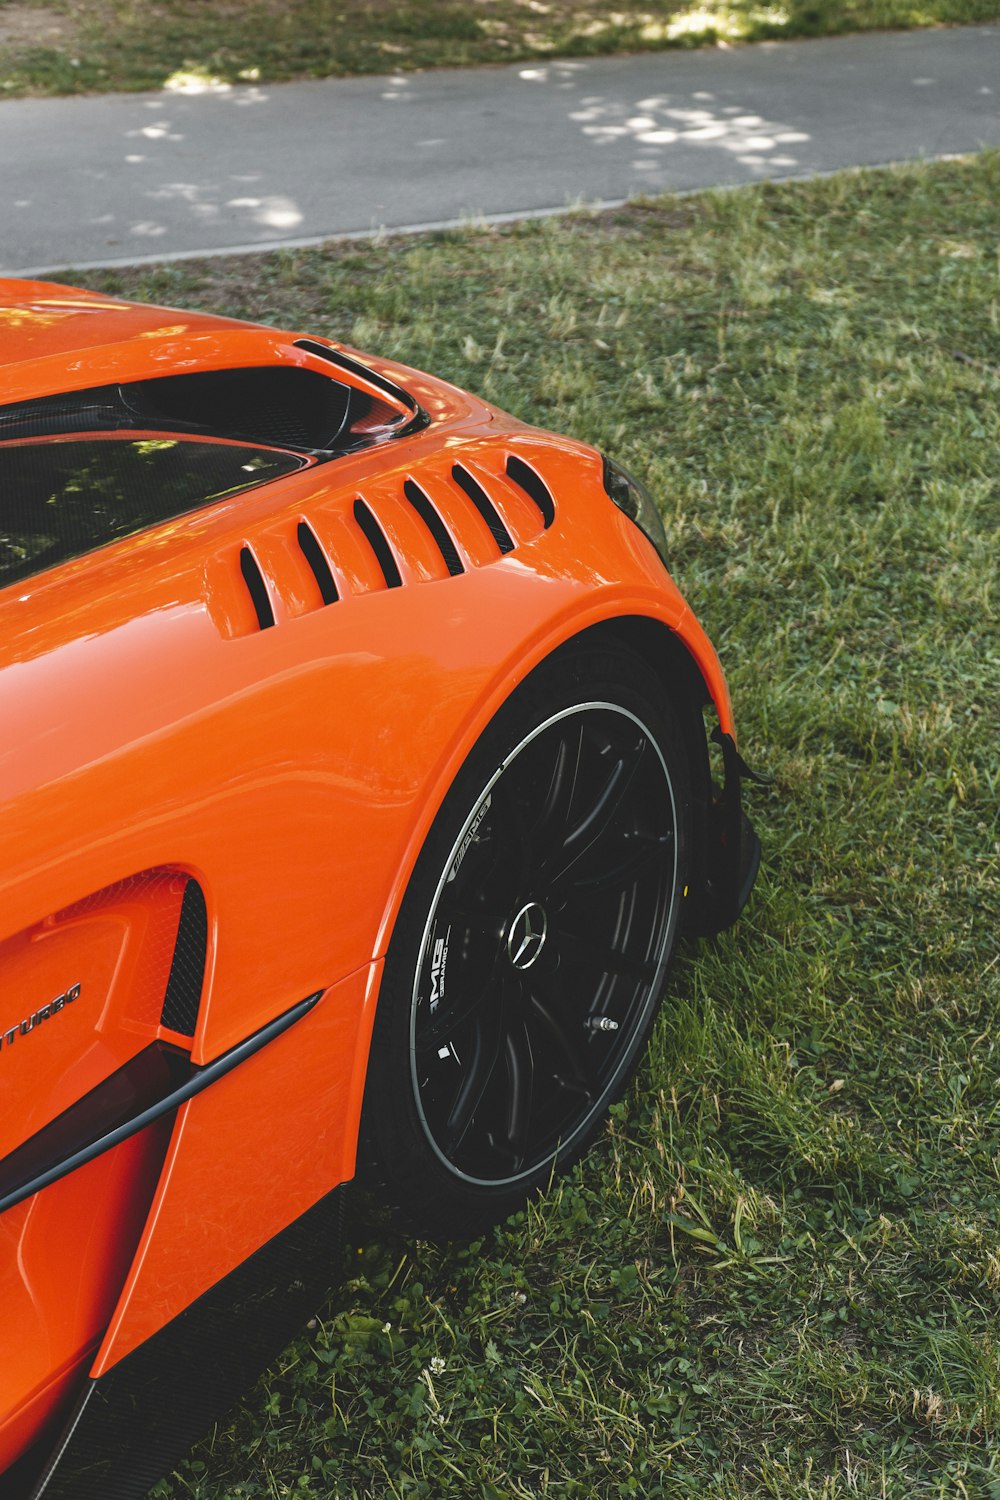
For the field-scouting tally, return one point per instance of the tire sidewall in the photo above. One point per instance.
(397, 1162)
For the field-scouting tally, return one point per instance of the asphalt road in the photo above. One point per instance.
(127, 177)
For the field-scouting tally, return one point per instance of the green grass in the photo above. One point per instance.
(80, 46)
(778, 1274)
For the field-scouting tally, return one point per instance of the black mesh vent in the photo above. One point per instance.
(316, 558)
(438, 530)
(533, 485)
(187, 972)
(278, 404)
(257, 588)
(379, 543)
(99, 409)
(485, 507)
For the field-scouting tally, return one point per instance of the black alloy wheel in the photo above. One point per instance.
(526, 968)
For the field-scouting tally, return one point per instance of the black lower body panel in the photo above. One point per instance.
(135, 1423)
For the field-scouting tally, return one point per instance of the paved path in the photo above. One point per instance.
(95, 181)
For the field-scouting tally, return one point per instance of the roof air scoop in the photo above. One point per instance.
(391, 411)
(274, 404)
(277, 406)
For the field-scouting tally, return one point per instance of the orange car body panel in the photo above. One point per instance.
(280, 1123)
(153, 731)
(70, 1248)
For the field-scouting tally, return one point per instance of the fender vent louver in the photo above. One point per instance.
(484, 505)
(379, 543)
(533, 485)
(257, 588)
(450, 522)
(438, 530)
(187, 971)
(316, 558)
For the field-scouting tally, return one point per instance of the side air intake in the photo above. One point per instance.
(256, 588)
(484, 505)
(187, 971)
(438, 530)
(316, 558)
(533, 485)
(379, 543)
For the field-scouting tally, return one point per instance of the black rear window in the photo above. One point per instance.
(65, 496)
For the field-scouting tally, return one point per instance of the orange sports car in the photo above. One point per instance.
(355, 786)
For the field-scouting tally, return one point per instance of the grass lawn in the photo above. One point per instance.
(81, 46)
(778, 1274)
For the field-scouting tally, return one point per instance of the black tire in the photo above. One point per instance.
(527, 962)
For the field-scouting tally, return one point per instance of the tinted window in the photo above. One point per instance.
(66, 496)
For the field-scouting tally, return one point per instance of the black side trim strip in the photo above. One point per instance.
(175, 1094)
(136, 1422)
(484, 505)
(129, 1091)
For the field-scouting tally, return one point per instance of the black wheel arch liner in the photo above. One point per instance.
(725, 848)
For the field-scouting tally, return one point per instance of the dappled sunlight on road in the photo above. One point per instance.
(270, 214)
(276, 213)
(750, 138)
(656, 123)
(209, 166)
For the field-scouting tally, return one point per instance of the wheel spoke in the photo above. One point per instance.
(579, 1071)
(602, 955)
(436, 1032)
(599, 818)
(646, 850)
(486, 1048)
(557, 805)
(512, 837)
(468, 920)
(521, 1082)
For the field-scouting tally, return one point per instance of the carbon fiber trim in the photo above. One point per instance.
(16, 1482)
(187, 972)
(135, 1423)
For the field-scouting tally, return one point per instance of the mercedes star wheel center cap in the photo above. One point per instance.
(527, 934)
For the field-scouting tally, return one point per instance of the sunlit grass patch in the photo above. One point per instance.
(699, 24)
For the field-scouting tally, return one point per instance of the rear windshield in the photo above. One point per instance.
(67, 495)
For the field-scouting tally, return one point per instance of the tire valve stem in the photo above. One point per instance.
(603, 1023)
